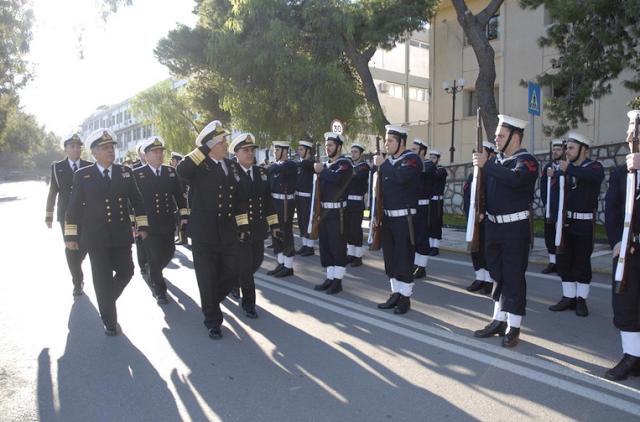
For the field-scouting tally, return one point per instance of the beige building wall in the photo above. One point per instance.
(517, 57)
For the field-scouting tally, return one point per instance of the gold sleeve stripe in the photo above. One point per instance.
(70, 229)
(272, 219)
(197, 156)
(132, 217)
(49, 214)
(142, 220)
(184, 211)
(242, 219)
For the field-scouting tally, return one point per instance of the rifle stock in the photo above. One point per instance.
(548, 207)
(376, 208)
(562, 214)
(316, 208)
(476, 206)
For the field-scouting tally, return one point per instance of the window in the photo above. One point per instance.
(119, 118)
(120, 141)
(127, 115)
(146, 132)
(418, 94)
(396, 90)
(414, 43)
(136, 134)
(127, 137)
(470, 102)
(492, 31)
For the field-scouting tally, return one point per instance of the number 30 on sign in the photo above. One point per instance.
(336, 127)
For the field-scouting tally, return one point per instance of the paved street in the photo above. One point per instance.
(309, 357)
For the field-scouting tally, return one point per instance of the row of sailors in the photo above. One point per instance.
(223, 204)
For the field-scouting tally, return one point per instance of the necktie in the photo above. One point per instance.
(158, 173)
(249, 174)
(75, 167)
(106, 176)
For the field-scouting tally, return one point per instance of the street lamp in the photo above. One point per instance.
(453, 90)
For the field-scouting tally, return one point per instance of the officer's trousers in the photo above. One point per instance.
(626, 307)
(397, 250)
(250, 258)
(75, 259)
(159, 252)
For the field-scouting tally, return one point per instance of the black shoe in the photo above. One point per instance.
(403, 305)
(251, 313)
(415, 267)
(475, 286)
(215, 333)
(302, 249)
(350, 259)
(276, 269)
(564, 304)
(392, 302)
(581, 307)
(235, 292)
(308, 252)
(551, 268)
(434, 252)
(419, 273)
(285, 272)
(357, 261)
(487, 288)
(269, 246)
(79, 290)
(493, 328)
(111, 330)
(336, 287)
(511, 338)
(324, 286)
(143, 271)
(162, 299)
(628, 366)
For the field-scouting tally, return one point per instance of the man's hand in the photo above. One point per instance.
(618, 246)
(633, 161)
(183, 222)
(562, 165)
(49, 224)
(378, 160)
(551, 171)
(143, 235)
(318, 167)
(72, 246)
(275, 233)
(479, 159)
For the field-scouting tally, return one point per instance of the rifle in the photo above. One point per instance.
(476, 206)
(548, 207)
(629, 210)
(316, 206)
(562, 215)
(376, 208)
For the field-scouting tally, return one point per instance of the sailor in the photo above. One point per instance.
(421, 220)
(304, 186)
(436, 204)
(355, 205)
(549, 225)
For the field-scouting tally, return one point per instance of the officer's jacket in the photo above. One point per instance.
(582, 189)
(305, 175)
(402, 185)
(554, 192)
(262, 209)
(614, 206)
(283, 175)
(359, 184)
(334, 179)
(100, 206)
(60, 187)
(218, 200)
(159, 194)
(440, 181)
(428, 178)
(510, 184)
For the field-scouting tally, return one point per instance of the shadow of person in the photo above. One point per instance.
(101, 378)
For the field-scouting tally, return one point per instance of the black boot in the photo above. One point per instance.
(475, 286)
(434, 251)
(628, 366)
(581, 307)
(324, 286)
(235, 292)
(403, 305)
(284, 272)
(415, 267)
(511, 338)
(419, 273)
(551, 268)
(493, 328)
(308, 252)
(487, 288)
(357, 261)
(301, 250)
(350, 259)
(393, 301)
(336, 287)
(564, 304)
(276, 269)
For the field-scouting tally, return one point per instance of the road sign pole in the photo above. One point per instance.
(533, 133)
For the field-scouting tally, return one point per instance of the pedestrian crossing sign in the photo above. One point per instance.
(534, 99)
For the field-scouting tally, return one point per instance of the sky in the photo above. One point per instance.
(118, 56)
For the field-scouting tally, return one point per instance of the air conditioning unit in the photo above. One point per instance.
(383, 86)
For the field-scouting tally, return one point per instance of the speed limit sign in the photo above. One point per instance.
(336, 127)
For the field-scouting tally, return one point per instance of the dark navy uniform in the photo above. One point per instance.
(98, 204)
(356, 192)
(141, 253)
(304, 189)
(477, 258)
(549, 226)
(60, 188)
(283, 176)
(218, 213)
(161, 194)
(421, 220)
(436, 209)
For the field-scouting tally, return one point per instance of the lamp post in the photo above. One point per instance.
(453, 90)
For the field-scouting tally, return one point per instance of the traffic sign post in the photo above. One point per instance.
(337, 127)
(534, 109)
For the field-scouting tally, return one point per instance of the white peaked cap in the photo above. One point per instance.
(155, 142)
(357, 145)
(100, 137)
(434, 152)
(581, 139)
(557, 142)
(245, 140)
(71, 138)
(511, 123)
(305, 144)
(281, 144)
(397, 130)
(213, 131)
(334, 137)
(420, 142)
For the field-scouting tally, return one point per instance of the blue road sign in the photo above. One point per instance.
(534, 99)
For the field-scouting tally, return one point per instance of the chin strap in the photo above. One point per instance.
(508, 141)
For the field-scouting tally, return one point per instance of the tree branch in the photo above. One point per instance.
(488, 12)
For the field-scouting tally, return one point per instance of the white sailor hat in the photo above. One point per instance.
(213, 131)
(71, 139)
(305, 144)
(139, 145)
(357, 145)
(632, 119)
(281, 144)
(489, 145)
(420, 142)
(557, 142)
(100, 137)
(511, 123)
(155, 142)
(581, 139)
(332, 136)
(397, 130)
(245, 140)
(436, 153)
(176, 155)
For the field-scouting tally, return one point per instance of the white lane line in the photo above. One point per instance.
(395, 325)
(528, 273)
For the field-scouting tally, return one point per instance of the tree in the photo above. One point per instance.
(50, 152)
(634, 104)
(22, 135)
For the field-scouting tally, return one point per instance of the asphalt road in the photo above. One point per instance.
(309, 357)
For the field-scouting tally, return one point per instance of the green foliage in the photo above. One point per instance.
(22, 136)
(634, 104)
(597, 40)
(50, 152)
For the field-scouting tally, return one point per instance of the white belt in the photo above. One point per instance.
(580, 215)
(436, 198)
(333, 205)
(304, 194)
(423, 202)
(281, 196)
(355, 197)
(399, 213)
(508, 218)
